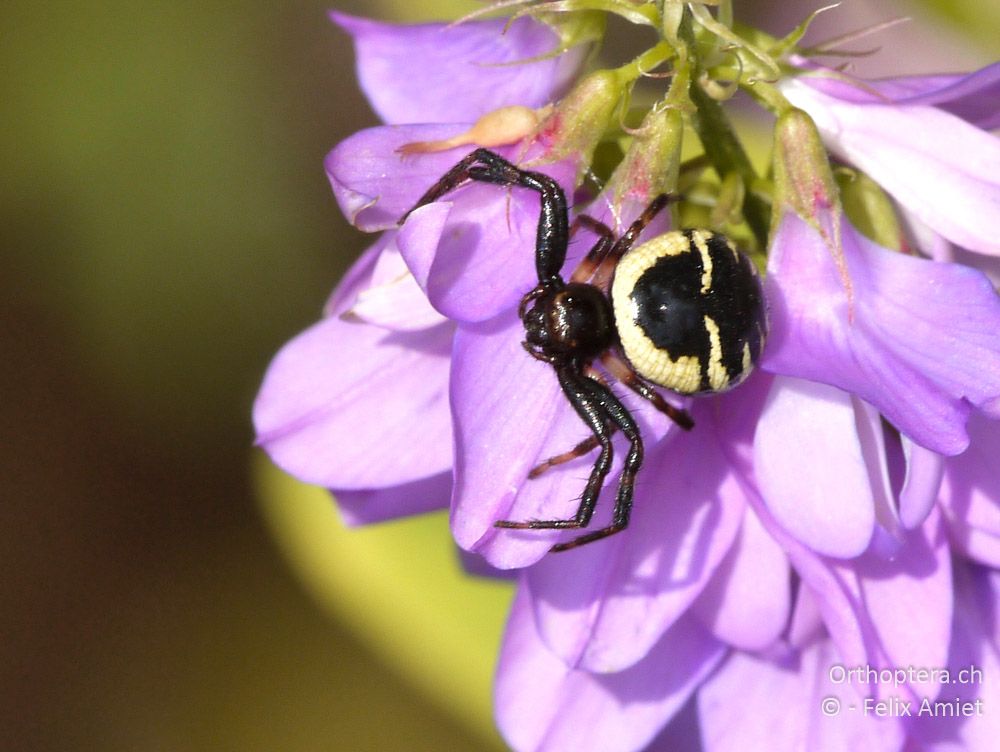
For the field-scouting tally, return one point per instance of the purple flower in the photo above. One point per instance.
(435, 73)
(809, 699)
(309, 415)
(915, 338)
(970, 489)
(924, 139)
(382, 350)
(838, 510)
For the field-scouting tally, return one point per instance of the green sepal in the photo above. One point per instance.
(573, 29)
(869, 208)
(788, 42)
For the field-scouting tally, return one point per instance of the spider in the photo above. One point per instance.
(684, 311)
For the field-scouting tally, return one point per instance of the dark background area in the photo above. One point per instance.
(166, 225)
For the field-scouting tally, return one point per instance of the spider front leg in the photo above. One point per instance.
(604, 267)
(605, 241)
(552, 236)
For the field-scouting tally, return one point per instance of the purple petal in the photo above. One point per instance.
(970, 493)
(351, 406)
(988, 265)
(357, 278)
(747, 603)
(682, 733)
(978, 543)
(379, 289)
(941, 168)
(603, 606)
(380, 504)
(752, 703)
(806, 624)
(472, 262)
(861, 601)
(924, 469)
(810, 467)
(835, 592)
(374, 185)
(875, 450)
(974, 97)
(909, 601)
(544, 706)
(411, 74)
(737, 416)
(477, 566)
(773, 715)
(504, 403)
(392, 299)
(917, 339)
(974, 664)
(474, 251)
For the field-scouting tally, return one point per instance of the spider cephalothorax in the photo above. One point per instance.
(683, 311)
(566, 322)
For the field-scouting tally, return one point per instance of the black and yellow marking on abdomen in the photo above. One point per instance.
(694, 309)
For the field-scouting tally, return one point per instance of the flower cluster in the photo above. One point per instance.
(839, 510)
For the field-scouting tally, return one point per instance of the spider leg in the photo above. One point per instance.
(588, 398)
(553, 221)
(598, 407)
(585, 446)
(623, 372)
(618, 414)
(447, 182)
(605, 241)
(603, 273)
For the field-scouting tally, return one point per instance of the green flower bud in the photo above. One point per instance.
(652, 161)
(580, 119)
(869, 208)
(802, 177)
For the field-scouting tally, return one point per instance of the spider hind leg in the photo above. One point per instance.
(598, 407)
(584, 447)
(580, 391)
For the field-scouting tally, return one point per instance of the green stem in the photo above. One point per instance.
(723, 148)
(646, 62)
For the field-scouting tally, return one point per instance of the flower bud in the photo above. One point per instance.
(804, 183)
(802, 177)
(651, 163)
(580, 119)
(506, 125)
(869, 208)
(583, 27)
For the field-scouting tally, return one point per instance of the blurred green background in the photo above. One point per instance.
(166, 225)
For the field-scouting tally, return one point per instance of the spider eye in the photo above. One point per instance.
(689, 311)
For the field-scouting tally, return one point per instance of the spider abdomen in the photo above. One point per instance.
(689, 311)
